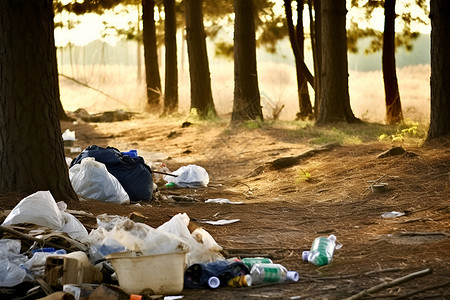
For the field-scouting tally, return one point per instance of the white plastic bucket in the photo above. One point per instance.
(161, 274)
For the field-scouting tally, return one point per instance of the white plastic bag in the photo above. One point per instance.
(201, 245)
(92, 180)
(10, 259)
(191, 176)
(136, 237)
(41, 209)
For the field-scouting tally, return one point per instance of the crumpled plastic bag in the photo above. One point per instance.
(113, 231)
(201, 245)
(92, 180)
(191, 176)
(11, 273)
(172, 236)
(41, 209)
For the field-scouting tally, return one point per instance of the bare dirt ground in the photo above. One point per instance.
(285, 209)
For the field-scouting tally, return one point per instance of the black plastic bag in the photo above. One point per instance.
(197, 275)
(132, 172)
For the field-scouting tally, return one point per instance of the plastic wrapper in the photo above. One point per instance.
(191, 176)
(92, 180)
(10, 259)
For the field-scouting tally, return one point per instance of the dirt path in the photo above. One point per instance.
(284, 209)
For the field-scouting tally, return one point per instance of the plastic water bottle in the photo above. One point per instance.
(322, 250)
(250, 261)
(271, 273)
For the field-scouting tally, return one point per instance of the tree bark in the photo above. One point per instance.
(296, 38)
(335, 100)
(392, 95)
(31, 146)
(440, 69)
(201, 94)
(247, 99)
(152, 77)
(171, 76)
(316, 45)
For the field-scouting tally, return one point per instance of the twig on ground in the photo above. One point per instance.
(392, 283)
(433, 287)
(352, 275)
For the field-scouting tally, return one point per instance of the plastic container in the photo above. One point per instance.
(271, 273)
(322, 250)
(250, 261)
(213, 282)
(131, 153)
(161, 274)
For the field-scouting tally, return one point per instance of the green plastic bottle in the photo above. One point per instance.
(250, 261)
(322, 250)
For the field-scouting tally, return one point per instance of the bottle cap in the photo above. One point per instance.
(305, 255)
(213, 282)
(292, 276)
(248, 280)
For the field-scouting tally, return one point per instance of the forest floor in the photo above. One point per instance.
(285, 207)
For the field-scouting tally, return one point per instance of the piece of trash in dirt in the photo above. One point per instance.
(379, 187)
(271, 273)
(131, 153)
(393, 214)
(220, 222)
(159, 170)
(222, 200)
(214, 274)
(322, 251)
(68, 137)
(191, 176)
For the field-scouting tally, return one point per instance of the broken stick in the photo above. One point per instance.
(392, 283)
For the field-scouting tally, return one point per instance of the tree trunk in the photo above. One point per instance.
(335, 100)
(171, 76)
(247, 100)
(152, 77)
(316, 45)
(31, 145)
(440, 69)
(201, 95)
(297, 38)
(392, 96)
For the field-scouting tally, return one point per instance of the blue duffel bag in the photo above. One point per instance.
(132, 172)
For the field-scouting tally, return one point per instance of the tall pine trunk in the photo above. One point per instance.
(171, 75)
(201, 94)
(152, 77)
(440, 69)
(392, 95)
(335, 99)
(247, 99)
(31, 147)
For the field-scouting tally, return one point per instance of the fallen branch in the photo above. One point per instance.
(392, 283)
(286, 162)
(33, 239)
(316, 277)
(433, 287)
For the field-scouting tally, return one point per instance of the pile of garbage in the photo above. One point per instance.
(46, 251)
(109, 175)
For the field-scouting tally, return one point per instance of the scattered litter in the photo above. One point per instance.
(221, 201)
(393, 214)
(220, 222)
(68, 135)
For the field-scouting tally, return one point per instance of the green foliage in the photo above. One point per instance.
(406, 132)
(402, 39)
(302, 176)
(210, 116)
(254, 124)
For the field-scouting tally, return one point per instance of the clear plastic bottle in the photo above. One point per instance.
(250, 261)
(322, 250)
(271, 273)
